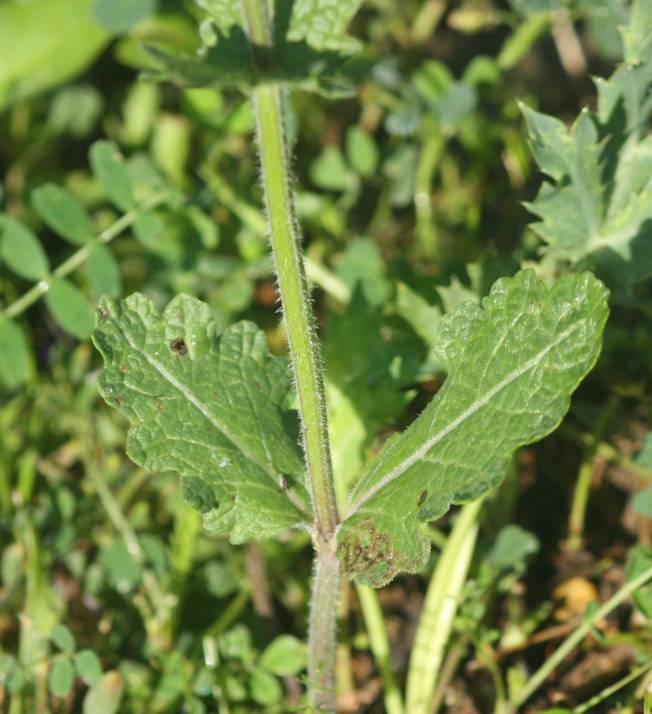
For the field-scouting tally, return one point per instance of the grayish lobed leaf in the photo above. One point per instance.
(311, 45)
(512, 365)
(208, 407)
(597, 211)
(224, 13)
(573, 212)
(322, 23)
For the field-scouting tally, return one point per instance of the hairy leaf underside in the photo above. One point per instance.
(512, 365)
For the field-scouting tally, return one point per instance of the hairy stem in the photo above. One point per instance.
(253, 218)
(304, 351)
(286, 247)
(322, 631)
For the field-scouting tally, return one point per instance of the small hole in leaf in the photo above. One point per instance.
(422, 497)
(179, 346)
(284, 482)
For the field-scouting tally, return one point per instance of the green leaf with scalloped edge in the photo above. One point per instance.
(512, 364)
(311, 46)
(209, 407)
(596, 209)
(323, 23)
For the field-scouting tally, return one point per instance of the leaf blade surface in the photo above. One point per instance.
(207, 406)
(595, 211)
(512, 366)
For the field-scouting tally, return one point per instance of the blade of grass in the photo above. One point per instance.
(379, 642)
(606, 693)
(440, 609)
(585, 477)
(574, 639)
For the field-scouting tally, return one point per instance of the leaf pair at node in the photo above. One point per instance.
(212, 408)
(310, 48)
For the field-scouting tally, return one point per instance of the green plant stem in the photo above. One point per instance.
(80, 256)
(607, 452)
(582, 490)
(521, 40)
(580, 503)
(344, 683)
(230, 614)
(606, 693)
(440, 609)
(569, 644)
(304, 351)
(379, 642)
(310, 391)
(286, 247)
(322, 632)
(447, 672)
(487, 656)
(431, 150)
(251, 217)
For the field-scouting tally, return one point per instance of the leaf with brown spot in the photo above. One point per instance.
(512, 365)
(207, 406)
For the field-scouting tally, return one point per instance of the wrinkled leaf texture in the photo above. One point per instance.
(210, 407)
(311, 45)
(512, 364)
(206, 406)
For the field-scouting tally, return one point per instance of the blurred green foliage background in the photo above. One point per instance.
(410, 191)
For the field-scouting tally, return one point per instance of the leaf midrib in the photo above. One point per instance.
(478, 404)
